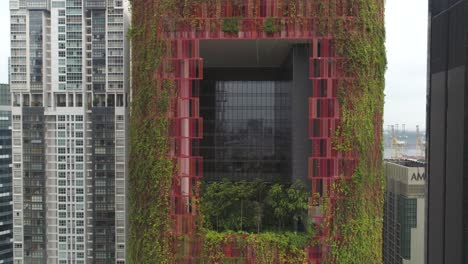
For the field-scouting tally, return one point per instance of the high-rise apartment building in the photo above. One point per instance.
(69, 85)
(447, 230)
(404, 212)
(6, 213)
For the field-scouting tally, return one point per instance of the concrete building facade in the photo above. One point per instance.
(69, 85)
(405, 210)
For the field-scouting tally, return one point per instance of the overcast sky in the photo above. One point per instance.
(406, 22)
(4, 40)
(405, 100)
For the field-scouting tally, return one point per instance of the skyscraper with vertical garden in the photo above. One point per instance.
(256, 131)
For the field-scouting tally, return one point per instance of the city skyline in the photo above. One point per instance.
(294, 101)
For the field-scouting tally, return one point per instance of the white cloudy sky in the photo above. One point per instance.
(406, 22)
(405, 100)
(4, 40)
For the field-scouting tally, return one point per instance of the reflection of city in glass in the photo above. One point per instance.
(35, 48)
(247, 126)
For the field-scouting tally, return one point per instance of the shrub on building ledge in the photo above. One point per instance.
(230, 25)
(270, 26)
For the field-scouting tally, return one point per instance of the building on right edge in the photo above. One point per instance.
(447, 216)
(404, 212)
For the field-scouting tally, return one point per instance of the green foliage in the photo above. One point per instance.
(273, 248)
(150, 176)
(358, 219)
(288, 202)
(270, 26)
(268, 247)
(253, 206)
(230, 25)
(213, 246)
(232, 206)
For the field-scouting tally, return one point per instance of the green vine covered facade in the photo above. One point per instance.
(352, 229)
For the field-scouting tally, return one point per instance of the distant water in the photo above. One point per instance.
(410, 137)
(410, 151)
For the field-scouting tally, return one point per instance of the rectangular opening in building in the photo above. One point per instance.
(254, 104)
